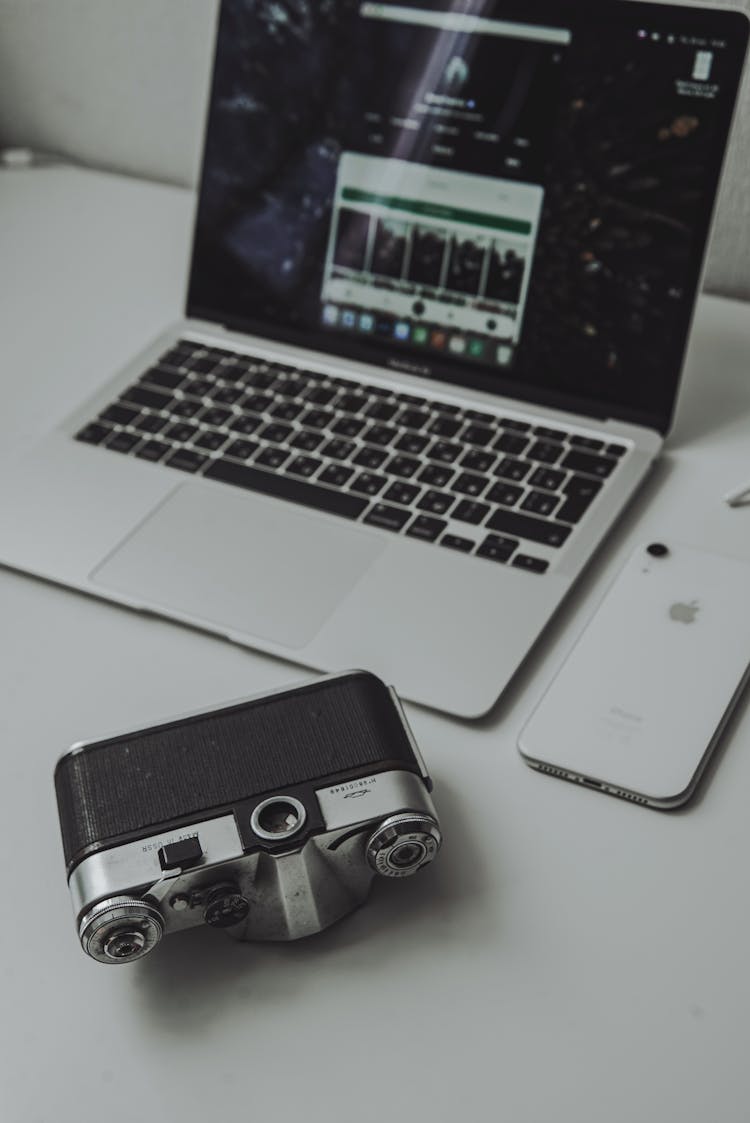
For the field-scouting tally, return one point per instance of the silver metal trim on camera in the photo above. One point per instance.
(255, 894)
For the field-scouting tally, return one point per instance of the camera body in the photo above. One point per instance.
(268, 817)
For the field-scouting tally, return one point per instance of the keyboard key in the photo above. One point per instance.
(182, 433)
(435, 475)
(400, 492)
(258, 403)
(540, 503)
(497, 548)
(478, 415)
(580, 492)
(477, 435)
(511, 442)
(287, 487)
(335, 475)
(93, 434)
(453, 542)
(582, 487)
(548, 478)
(469, 484)
(338, 449)
(507, 495)
(533, 565)
(412, 442)
(214, 415)
(588, 443)
(370, 457)
(436, 502)
(547, 451)
(304, 466)
(444, 452)
(317, 418)
(307, 440)
(411, 399)
(275, 432)
(227, 395)
(445, 427)
(445, 407)
(478, 461)
(160, 376)
(468, 511)
(321, 395)
(616, 450)
(153, 450)
(151, 423)
(198, 387)
(272, 457)
(389, 518)
(348, 427)
(202, 363)
(286, 411)
(186, 407)
(511, 469)
(186, 460)
(512, 423)
(245, 424)
(350, 403)
(211, 440)
(547, 533)
(402, 466)
(601, 466)
(242, 450)
(143, 396)
(367, 483)
(381, 411)
(413, 419)
(550, 434)
(119, 415)
(380, 434)
(426, 528)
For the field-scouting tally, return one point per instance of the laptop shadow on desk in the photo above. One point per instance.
(198, 977)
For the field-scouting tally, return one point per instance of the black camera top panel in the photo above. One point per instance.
(125, 786)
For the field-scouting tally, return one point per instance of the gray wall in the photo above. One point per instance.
(122, 84)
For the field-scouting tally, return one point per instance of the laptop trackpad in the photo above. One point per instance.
(240, 563)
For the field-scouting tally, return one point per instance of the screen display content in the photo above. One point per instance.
(517, 202)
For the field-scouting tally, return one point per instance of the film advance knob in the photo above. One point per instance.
(403, 844)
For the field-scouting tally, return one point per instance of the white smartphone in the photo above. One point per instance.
(641, 700)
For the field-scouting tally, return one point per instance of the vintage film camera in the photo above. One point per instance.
(268, 817)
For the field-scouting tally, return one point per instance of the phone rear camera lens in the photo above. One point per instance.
(657, 550)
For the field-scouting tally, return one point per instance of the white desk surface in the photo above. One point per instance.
(569, 957)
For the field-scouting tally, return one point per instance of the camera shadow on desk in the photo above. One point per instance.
(197, 977)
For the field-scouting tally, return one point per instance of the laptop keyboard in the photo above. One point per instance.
(499, 487)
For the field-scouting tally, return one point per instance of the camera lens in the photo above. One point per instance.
(277, 818)
(657, 550)
(403, 844)
(120, 930)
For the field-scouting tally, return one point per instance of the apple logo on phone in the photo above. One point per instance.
(684, 613)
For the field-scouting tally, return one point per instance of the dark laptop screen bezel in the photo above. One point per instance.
(731, 24)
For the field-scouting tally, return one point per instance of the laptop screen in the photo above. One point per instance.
(511, 197)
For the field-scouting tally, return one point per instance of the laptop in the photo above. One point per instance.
(444, 266)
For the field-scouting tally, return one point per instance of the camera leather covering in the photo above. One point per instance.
(125, 787)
